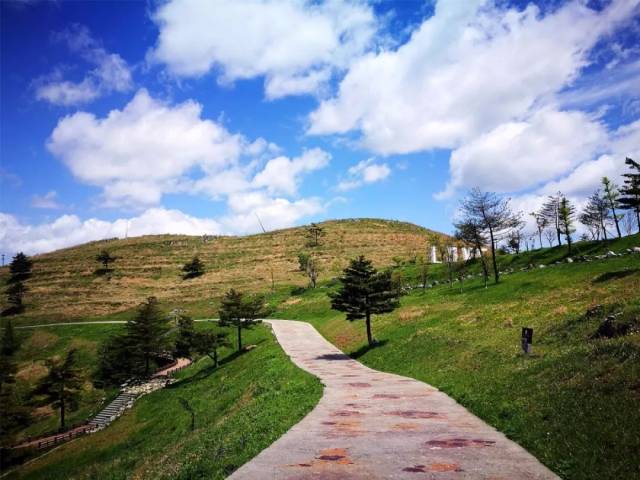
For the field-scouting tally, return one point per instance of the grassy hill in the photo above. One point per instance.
(573, 403)
(65, 286)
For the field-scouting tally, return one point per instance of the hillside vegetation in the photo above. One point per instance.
(573, 403)
(65, 286)
(240, 409)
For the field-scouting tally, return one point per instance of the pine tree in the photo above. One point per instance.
(596, 216)
(493, 215)
(551, 211)
(20, 267)
(15, 297)
(240, 312)
(630, 199)
(314, 233)
(62, 385)
(567, 219)
(147, 333)
(364, 292)
(186, 335)
(611, 195)
(105, 258)
(193, 269)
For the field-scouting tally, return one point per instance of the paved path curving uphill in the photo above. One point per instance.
(374, 425)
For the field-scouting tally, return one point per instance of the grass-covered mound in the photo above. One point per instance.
(573, 403)
(240, 408)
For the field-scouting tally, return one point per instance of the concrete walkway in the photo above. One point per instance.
(374, 425)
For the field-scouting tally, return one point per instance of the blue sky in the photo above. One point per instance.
(194, 116)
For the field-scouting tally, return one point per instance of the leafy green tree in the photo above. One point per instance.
(307, 265)
(239, 311)
(493, 216)
(364, 292)
(630, 192)
(147, 333)
(62, 385)
(567, 220)
(314, 233)
(186, 335)
(611, 195)
(105, 258)
(208, 343)
(20, 268)
(193, 268)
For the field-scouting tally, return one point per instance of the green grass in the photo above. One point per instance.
(241, 408)
(573, 403)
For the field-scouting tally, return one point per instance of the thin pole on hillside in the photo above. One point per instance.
(273, 283)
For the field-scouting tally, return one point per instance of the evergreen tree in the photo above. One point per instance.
(240, 312)
(611, 195)
(62, 385)
(493, 215)
(186, 335)
(596, 216)
(630, 199)
(115, 361)
(15, 297)
(314, 233)
(364, 292)
(105, 258)
(551, 212)
(147, 333)
(20, 268)
(208, 343)
(567, 219)
(193, 269)
(13, 415)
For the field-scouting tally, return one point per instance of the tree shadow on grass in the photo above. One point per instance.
(615, 275)
(366, 348)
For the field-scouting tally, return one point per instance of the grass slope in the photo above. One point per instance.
(573, 404)
(64, 286)
(241, 408)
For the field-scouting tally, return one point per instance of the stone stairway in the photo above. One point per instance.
(113, 410)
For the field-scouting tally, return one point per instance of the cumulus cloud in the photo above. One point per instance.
(282, 175)
(68, 230)
(294, 44)
(364, 172)
(144, 150)
(467, 69)
(111, 73)
(46, 201)
(517, 155)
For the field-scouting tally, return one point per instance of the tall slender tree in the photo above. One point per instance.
(241, 312)
(630, 192)
(493, 215)
(611, 195)
(596, 216)
(364, 292)
(62, 385)
(551, 211)
(314, 233)
(567, 220)
(542, 223)
(146, 333)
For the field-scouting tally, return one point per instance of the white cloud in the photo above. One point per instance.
(295, 44)
(282, 175)
(518, 155)
(46, 201)
(111, 72)
(364, 172)
(469, 68)
(68, 230)
(144, 150)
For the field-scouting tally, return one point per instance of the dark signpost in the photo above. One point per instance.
(527, 339)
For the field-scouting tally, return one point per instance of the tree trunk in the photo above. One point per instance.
(369, 336)
(239, 337)
(62, 407)
(493, 256)
(569, 242)
(146, 364)
(615, 219)
(638, 219)
(215, 357)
